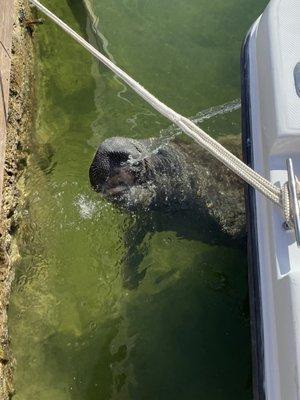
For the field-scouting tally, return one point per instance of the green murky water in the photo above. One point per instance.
(77, 332)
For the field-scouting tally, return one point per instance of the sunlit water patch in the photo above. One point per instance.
(180, 330)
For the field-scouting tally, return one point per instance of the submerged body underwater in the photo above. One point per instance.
(180, 330)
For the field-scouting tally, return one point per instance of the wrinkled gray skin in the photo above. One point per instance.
(178, 187)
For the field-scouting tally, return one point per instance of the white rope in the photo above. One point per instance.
(286, 206)
(260, 183)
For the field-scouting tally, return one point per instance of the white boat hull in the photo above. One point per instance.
(271, 131)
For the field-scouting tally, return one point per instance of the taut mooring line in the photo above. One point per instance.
(254, 179)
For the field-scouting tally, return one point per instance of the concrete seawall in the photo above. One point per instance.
(6, 27)
(16, 124)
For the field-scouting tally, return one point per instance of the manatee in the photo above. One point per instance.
(175, 186)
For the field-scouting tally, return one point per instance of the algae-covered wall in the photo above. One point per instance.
(20, 117)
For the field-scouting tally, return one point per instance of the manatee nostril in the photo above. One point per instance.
(117, 158)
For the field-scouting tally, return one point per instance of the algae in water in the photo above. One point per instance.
(77, 332)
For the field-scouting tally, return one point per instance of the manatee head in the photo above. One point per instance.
(122, 172)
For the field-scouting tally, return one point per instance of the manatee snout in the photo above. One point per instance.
(116, 166)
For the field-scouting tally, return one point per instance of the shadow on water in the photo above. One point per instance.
(186, 224)
(169, 342)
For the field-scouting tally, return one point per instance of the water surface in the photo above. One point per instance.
(77, 331)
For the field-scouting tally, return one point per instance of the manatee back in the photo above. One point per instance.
(218, 189)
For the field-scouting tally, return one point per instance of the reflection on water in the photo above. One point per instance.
(78, 332)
